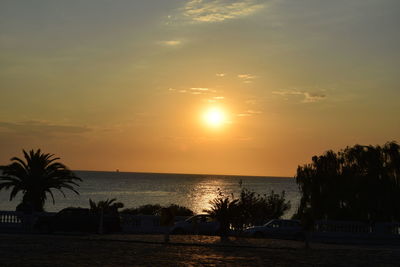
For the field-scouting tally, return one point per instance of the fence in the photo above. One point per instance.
(357, 230)
(11, 221)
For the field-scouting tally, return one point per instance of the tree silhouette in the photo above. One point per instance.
(224, 210)
(255, 209)
(357, 183)
(35, 177)
(105, 206)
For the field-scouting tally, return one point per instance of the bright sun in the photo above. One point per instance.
(214, 117)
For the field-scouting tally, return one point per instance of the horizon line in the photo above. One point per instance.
(181, 173)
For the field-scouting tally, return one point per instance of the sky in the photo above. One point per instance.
(245, 87)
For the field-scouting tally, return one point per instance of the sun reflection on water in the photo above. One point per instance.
(204, 192)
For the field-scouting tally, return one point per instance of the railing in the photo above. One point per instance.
(14, 221)
(10, 217)
(17, 221)
(11, 221)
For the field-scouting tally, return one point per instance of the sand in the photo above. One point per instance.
(148, 250)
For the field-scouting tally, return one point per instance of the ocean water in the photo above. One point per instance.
(135, 189)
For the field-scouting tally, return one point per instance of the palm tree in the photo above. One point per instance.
(106, 206)
(36, 177)
(224, 210)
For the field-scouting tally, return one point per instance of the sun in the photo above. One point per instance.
(214, 117)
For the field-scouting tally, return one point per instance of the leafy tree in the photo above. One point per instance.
(357, 183)
(35, 177)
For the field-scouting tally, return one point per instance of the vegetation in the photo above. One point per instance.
(180, 210)
(224, 210)
(256, 209)
(248, 210)
(357, 183)
(35, 177)
(105, 206)
(154, 209)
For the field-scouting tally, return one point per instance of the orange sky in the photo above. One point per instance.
(125, 85)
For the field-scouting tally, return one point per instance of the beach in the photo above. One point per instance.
(191, 250)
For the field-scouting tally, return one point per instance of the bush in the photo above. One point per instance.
(256, 209)
(248, 210)
(154, 209)
(148, 209)
(180, 210)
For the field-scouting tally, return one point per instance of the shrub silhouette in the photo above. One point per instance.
(248, 210)
(154, 209)
(256, 209)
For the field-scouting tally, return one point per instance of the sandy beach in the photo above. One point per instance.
(148, 250)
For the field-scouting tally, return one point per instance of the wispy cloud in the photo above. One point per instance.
(200, 90)
(170, 42)
(246, 78)
(220, 10)
(220, 74)
(309, 97)
(194, 90)
(215, 99)
(41, 127)
(249, 113)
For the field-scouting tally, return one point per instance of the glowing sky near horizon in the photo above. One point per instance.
(125, 85)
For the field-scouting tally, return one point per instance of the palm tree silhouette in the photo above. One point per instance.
(35, 177)
(106, 206)
(224, 210)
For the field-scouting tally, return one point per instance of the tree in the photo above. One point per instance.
(36, 177)
(248, 210)
(357, 183)
(224, 210)
(255, 209)
(106, 206)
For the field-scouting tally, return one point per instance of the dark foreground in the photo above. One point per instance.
(148, 250)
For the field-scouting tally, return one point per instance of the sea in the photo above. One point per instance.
(134, 189)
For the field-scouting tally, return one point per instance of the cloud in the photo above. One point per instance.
(170, 43)
(249, 113)
(220, 10)
(246, 78)
(199, 90)
(309, 97)
(220, 74)
(215, 99)
(41, 127)
(194, 90)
